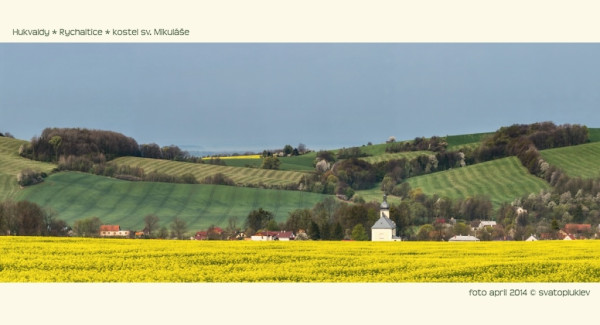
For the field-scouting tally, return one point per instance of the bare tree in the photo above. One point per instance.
(178, 228)
(151, 222)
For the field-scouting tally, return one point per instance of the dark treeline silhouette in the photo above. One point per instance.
(26, 218)
(96, 145)
(516, 139)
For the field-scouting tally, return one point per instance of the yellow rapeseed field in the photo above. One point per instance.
(42, 259)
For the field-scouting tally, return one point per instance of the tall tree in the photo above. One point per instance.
(55, 141)
(151, 223)
(178, 228)
(258, 219)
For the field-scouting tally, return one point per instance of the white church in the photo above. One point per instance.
(384, 229)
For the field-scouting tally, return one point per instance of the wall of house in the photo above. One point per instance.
(381, 234)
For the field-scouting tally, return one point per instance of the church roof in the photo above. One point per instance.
(384, 223)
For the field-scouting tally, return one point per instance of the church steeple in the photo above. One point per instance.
(384, 208)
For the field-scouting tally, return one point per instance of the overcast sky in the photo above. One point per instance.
(257, 96)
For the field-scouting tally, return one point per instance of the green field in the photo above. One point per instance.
(78, 195)
(502, 179)
(239, 175)
(11, 164)
(594, 134)
(299, 163)
(577, 161)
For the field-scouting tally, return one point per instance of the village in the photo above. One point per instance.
(384, 229)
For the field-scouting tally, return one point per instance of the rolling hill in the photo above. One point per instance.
(78, 195)
(577, 161)
(11, 164)
(502, 180)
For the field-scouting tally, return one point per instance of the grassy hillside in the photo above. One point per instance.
(200, 171)
(577, 161)
(502, 179)
(77, 195)
(594, 134)
(11, 164)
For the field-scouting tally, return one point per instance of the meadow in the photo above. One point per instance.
(502, 180)
(37, 259)
(577, 161)
(78, 195)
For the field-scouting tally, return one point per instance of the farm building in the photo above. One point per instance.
(384, 229)
(113, 231)
(464, 238)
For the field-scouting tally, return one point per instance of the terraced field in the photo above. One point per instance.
(577, 161)
(239, 175)
(78, 195)
(502, 179)
(11, 164)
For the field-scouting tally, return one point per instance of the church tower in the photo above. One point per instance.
(384, 208)
(385, 228)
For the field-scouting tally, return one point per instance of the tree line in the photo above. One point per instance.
(96, 146)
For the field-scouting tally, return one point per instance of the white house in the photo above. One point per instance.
(485, 223)
(384, 229)
(463, 238)
(113, 231)
(531, 238)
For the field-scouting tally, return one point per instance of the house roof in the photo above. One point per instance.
(571, 227)
(531, 238)
(384, 223)
(110, 228)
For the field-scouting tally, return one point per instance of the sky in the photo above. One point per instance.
(250, 97)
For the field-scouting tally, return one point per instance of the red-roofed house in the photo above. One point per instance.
(113, 231)
(578, 231)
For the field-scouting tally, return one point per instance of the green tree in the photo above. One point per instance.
(461, 229)
(359, 233)
(259, 219)
(338, 232)
(288, 149)
(55, 141)
(326, 231)
(271, 163)
(313, 231)
(425, 232)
